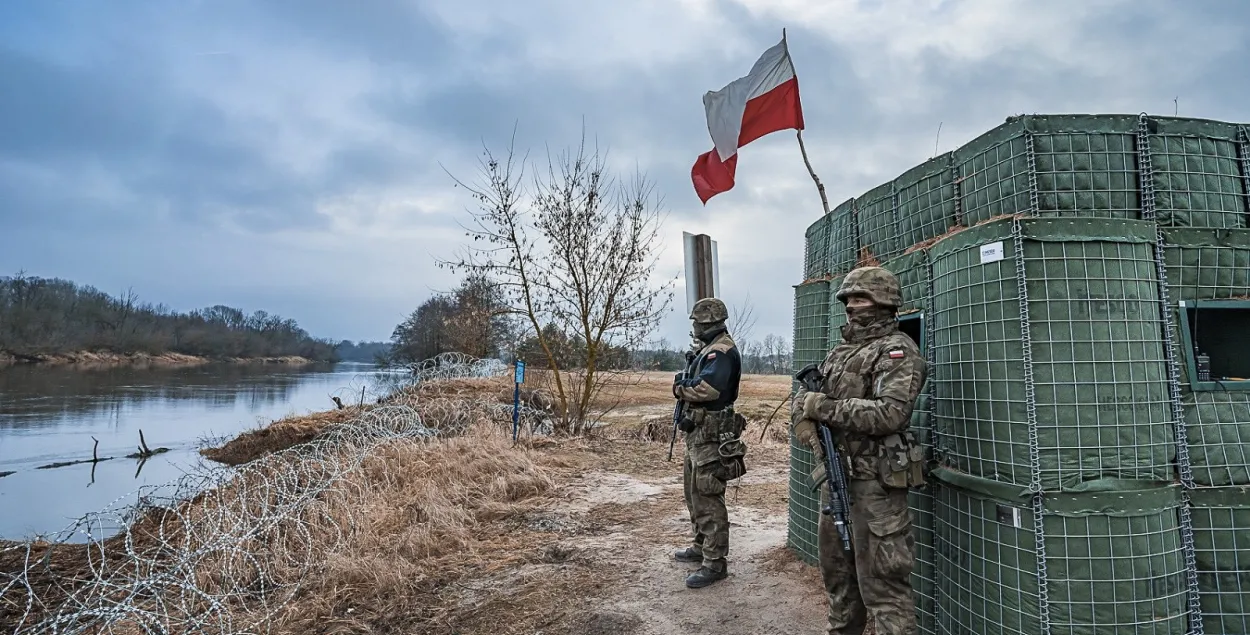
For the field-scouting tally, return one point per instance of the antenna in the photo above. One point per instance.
(937, 140)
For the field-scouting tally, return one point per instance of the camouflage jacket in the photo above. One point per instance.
(871, 388)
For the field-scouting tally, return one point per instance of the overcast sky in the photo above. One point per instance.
(285, 155)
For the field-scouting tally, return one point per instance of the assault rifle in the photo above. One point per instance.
(839, 499)
(680, 408)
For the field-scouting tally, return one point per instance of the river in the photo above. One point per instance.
(50, 414)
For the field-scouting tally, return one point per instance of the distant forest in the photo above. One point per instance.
(54, 316)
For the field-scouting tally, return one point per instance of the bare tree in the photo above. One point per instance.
(742, 324)
(577, 252)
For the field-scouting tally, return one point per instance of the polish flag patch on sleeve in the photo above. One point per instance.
(711, 355)
(896, 354)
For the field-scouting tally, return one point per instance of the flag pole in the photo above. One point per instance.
(820, 187)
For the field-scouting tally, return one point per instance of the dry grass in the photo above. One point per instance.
(445, 537)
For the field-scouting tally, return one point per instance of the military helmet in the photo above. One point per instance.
(876, 283)
(709, 311)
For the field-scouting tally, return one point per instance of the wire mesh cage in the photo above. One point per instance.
(1090, 380)
(811, 326)
(1199, 175)
(877, 215)
(926, 200)
(1094, 562)
(816, 250)
(843, 238)
(1222, 545)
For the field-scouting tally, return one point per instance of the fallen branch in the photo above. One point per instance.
(144, 451)
(95, 458)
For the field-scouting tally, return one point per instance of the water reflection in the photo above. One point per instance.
(50, 415)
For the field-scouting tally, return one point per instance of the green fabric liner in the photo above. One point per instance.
(1118, 230)
(1187, 127)
(1237, 497)
(1106, 497)
(1192, 237)
(843, 238)
(1218, 425)
(932, 167)
(1004, 132)
(875, 217)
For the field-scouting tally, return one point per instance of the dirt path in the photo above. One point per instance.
(631, 520)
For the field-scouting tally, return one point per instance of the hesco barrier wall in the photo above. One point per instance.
(921, 501)
(1112, 559)
(1221, 516)
(811, 336)
(1083, 285)
(1050, 338)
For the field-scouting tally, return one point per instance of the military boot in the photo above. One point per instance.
(689, 554)
(706, 575)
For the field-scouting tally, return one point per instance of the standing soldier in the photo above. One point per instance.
(715, 451)
(871, 382)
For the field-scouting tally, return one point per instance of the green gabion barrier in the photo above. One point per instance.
(1087, 380)
(912, 271)
(921, 502)
(811, 323)
(1113, 562)
(811, 327)
(1199, 174)
(804, 505)
(926, 201)
(1218, 431)
(1205, 264)
(816, 249)
(876, 212)
(1221, 518)
(843, 239)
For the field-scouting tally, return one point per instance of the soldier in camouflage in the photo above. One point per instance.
(872, 381)
(715, 451)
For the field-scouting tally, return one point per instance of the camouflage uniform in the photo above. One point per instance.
(872, 381)
(714, 450)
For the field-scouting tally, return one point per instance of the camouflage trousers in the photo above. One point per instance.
(705, 500)
(876, 577)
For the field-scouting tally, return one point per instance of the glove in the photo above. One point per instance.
(796, 406)
(811, 405)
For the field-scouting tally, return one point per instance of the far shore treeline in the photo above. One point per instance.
(50, 316)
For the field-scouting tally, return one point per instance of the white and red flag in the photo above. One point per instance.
(766, 100)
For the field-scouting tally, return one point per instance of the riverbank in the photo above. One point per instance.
(103, 359)
(461, 533)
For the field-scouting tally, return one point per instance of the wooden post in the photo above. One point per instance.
(701, 268)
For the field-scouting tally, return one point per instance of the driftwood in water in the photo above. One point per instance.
(144, 452)
(95, 458)
(4, 474)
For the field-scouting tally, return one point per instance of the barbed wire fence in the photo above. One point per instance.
(221, 549)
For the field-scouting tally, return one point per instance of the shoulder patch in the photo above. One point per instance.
(896, 354)
(711, 355)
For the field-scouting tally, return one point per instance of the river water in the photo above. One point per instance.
(50, 414)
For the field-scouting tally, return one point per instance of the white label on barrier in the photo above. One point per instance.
(992, 252)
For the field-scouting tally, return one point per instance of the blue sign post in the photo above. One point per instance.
(518, 379)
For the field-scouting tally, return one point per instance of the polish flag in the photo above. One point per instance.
(766, 100)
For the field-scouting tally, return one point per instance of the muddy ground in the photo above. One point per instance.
(624, 517)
